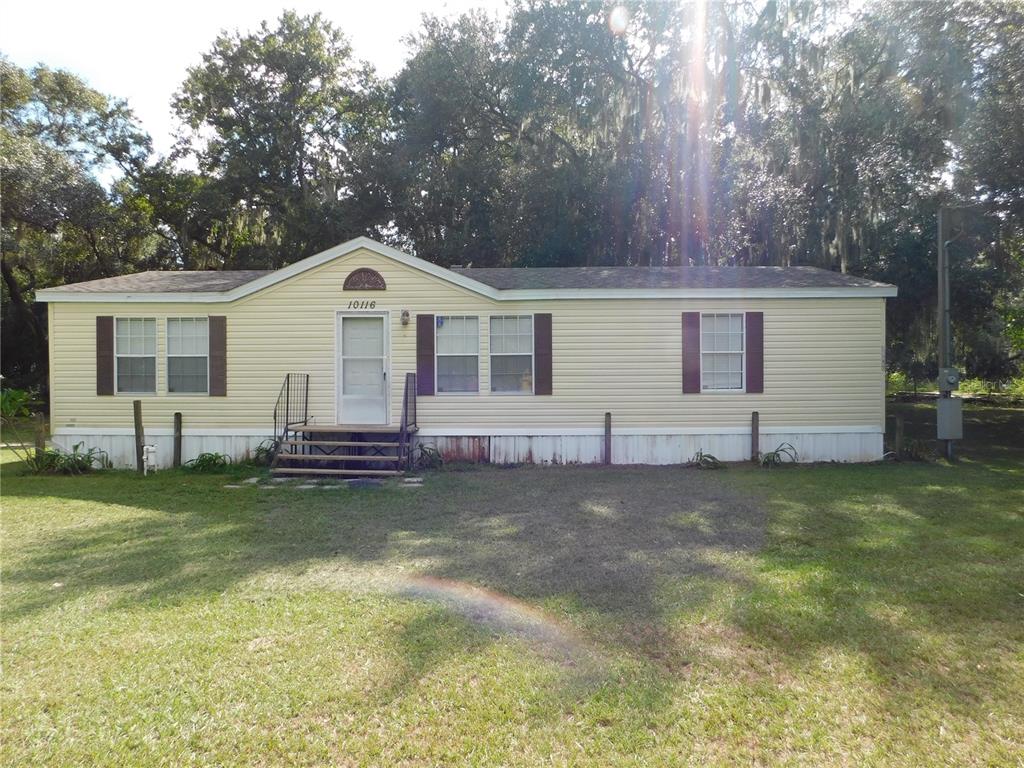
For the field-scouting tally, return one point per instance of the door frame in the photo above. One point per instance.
(385, 316)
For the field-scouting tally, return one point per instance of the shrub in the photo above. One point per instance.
(54, 462)
(896, 381)
(977, 387)
(208, 462)
(16, 404)
(701, 460)
(264, 453)
(916, 449)
(428, 457)
(781, 455)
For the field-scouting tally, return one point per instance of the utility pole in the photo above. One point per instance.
(949, 422)
(945, 353)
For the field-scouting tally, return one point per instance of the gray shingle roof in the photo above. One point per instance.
(169, 282)
(512, 278)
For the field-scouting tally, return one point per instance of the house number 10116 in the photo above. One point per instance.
(361, 304)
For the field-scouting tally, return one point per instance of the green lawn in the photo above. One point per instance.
(854, 615)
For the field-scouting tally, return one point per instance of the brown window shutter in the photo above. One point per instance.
(105, 355)
(218, 327)
(755, 352)
(424, 354)
(542, 354)
(691, 352)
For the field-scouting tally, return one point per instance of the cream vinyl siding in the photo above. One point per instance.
(823, 358)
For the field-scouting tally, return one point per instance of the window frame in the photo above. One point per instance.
(168, 355)
(156, 357)
(437, 390)
(533, 357)
(742, 389)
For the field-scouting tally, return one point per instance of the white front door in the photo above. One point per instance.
(363, 370)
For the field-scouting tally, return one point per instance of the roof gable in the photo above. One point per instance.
(206, 287)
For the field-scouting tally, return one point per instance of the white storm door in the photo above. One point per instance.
(363, 379)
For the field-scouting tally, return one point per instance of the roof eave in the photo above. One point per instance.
(53, 295)
(879, 291)
(541, 294)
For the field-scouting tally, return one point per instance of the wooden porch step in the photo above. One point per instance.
(350, 428)
(350, 472)
(332, 457)
(344, 443)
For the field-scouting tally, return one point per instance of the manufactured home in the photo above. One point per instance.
(363, 346)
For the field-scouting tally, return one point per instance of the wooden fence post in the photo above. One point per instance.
(140, 435)
(755, 435)
(40, 434)
(608, 438)
(177, 438)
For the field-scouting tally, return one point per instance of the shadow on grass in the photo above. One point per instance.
(914, 567)
(878, 560)
(595, 547)
(530, 533)
(993, 436)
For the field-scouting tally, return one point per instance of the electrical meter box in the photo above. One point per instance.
(949, 379)
(951, 418)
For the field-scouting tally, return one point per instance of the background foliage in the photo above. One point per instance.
(779, 132)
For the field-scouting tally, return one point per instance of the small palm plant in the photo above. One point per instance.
(785, 453)
(701, 460)
(15, 406)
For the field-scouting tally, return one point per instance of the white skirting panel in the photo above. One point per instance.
(584, 447)
(853, 446)
(120, 448)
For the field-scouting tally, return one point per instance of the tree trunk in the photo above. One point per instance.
(24, 314)
(21, 308)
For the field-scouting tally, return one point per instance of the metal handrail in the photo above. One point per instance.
(292, 406)
(408, 419)
(409, 402)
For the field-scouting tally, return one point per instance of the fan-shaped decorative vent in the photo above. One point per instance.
(364, 279)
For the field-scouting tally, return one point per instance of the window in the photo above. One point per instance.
(512, 353)
(188, 350)
(721, 352)
(135, 353)
(457, 345)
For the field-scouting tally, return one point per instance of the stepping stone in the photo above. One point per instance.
(251, 481)
(305, 486)
(234, 486)
(280, 479)
(412, 480)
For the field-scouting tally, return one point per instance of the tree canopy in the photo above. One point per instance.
(277, 123)
(561, 133)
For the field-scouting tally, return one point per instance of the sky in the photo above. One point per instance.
(140, 51)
